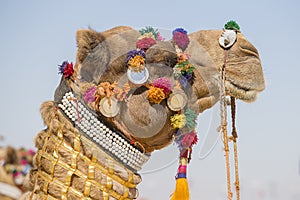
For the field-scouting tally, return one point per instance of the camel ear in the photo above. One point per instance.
(87, 40)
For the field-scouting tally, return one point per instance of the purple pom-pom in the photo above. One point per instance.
(183, 81)
(66, 69)
(188, 76)
(133, 53)
(61, 68)
(181, 30)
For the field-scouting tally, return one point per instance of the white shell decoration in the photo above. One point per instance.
(227, 38)
(138, 77)
(109, 107)
(177, 100)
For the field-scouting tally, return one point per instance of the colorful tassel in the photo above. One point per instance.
(182, 189)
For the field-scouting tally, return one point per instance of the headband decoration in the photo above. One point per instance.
(228, 37)
(66, 69)
(181, 38)
(183, 70)
(232, 25)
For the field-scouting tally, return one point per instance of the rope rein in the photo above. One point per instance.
(225, 138)
(234, 139)
(223, 113)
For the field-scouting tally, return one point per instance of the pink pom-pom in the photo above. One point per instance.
(145, 43)
(163, 83)
(89, 95)
(189, 139)
(181, 39)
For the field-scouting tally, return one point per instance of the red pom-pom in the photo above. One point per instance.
(189, 139)
(68, 70)
(145, 43)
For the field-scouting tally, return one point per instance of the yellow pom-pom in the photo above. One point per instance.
(137, 63)
(147, 35)
(156, 95)
(178, 121)
(182, 190)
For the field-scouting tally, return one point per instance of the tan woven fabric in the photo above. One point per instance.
(69, 166)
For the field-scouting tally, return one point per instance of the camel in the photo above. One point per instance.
(13, 168)
(93, 149)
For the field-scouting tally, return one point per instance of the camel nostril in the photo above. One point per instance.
(247, 48)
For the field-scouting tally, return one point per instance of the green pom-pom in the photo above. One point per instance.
(149, 29)
(190, 117)
(232, 25)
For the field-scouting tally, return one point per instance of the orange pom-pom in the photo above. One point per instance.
(156, 95)
(137, 63)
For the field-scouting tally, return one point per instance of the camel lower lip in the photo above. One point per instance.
(241, 93)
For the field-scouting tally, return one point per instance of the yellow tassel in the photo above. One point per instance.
(182, 190)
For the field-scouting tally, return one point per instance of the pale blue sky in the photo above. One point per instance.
(37, 36)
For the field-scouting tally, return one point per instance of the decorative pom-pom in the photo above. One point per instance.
(131, 54)
(232, 25)
(189, 139)
(181, 38)
(156, 95)
(136, 63)
(136, 60)
(145, 43)
(89, 95)
(121, 93)
(186, 67)
(159, 37)
(181, 30)
(163, 83)
(66, 69)
(149, 31)
(178, 121)
(147, 35)
(176, 72)
(181, 57)
(190, 119)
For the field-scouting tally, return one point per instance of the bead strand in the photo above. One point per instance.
(107, 139)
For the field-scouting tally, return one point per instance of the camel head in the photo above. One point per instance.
(244, 75)
(101, 57)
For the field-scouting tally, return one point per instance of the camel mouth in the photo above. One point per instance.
(241, 92)
(249, 82)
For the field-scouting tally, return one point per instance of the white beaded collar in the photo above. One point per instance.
(110, 141)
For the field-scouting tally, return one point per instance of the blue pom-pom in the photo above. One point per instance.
(181, 30)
